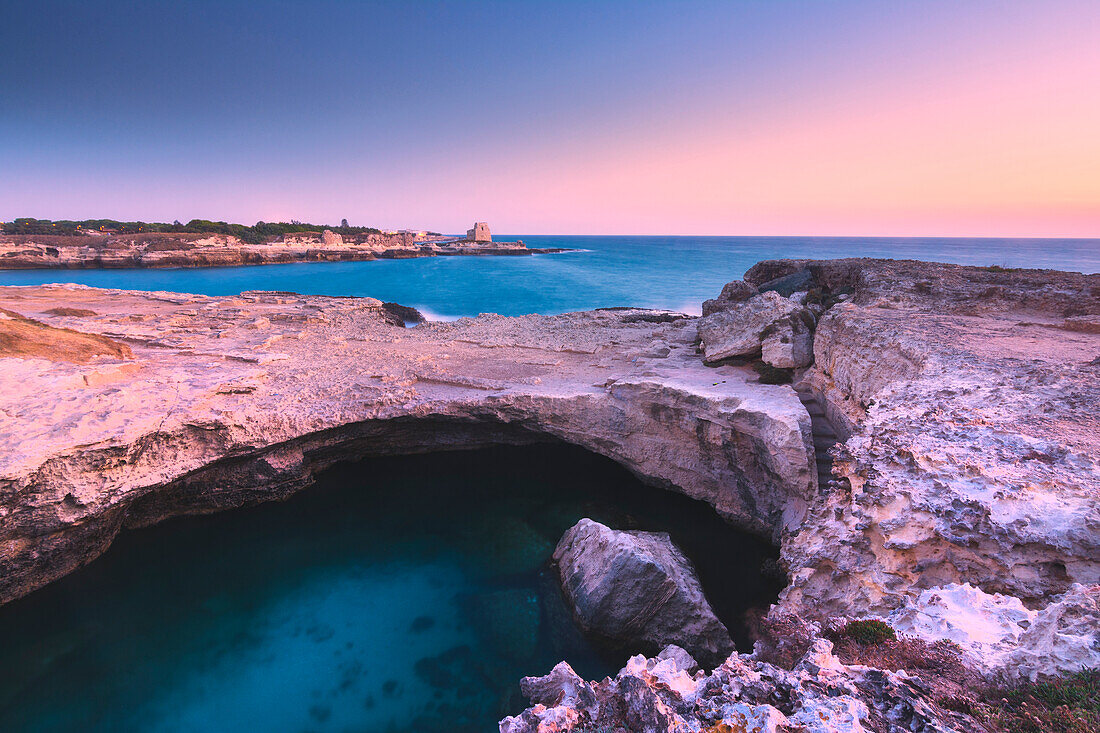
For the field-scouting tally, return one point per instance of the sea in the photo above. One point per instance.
(672, 273)
(408, 593)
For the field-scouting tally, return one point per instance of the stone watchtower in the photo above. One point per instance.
(480, 233)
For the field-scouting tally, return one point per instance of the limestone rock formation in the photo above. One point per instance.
(221, 402)
(659, 695)
(738, 329)
(972, 437)
(157, 249)
(789, 342)
(734, 292)
(480, 233)
(638, 589)
(1001, 632)
(965, 410)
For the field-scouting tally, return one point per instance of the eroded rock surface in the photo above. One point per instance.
(973, 437)
(228, 401)
(738, 329)
(966, 401)
(743, 694)
(638, 589)
(999, 631)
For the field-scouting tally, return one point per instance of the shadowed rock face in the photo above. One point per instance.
(638, 589)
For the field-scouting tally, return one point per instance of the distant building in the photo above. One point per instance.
(480, 233)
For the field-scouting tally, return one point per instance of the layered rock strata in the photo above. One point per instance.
(638, 590)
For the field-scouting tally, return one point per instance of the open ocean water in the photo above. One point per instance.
(675, 273)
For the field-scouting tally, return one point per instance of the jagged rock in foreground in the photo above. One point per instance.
(638, 589)
(820, 695)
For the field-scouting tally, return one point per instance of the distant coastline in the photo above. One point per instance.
(108, 244)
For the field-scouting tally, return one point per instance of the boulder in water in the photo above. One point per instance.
(638, 589)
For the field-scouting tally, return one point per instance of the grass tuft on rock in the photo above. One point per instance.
(1067, 705)
(867, 632)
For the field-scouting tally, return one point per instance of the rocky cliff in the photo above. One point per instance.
(229, 401)
(961, 501)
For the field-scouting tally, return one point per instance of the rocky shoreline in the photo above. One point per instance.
(961, 502)
(118, 251)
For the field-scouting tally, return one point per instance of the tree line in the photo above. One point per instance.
(259, 232)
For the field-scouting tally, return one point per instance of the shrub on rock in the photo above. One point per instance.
(868, 631)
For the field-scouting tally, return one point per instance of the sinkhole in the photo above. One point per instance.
(404, 593)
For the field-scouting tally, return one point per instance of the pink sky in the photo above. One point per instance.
(841, 118)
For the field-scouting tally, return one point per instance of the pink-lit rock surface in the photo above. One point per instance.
(230, 401)
(965, 500)
(820, 695)
(24, 251)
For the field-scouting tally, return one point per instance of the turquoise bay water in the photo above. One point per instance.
(676, 273)
(399, 594)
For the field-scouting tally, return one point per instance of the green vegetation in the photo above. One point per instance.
(870, 631)
(258, 232)
(1065, 705)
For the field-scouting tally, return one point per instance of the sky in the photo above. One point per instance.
(751, 117)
